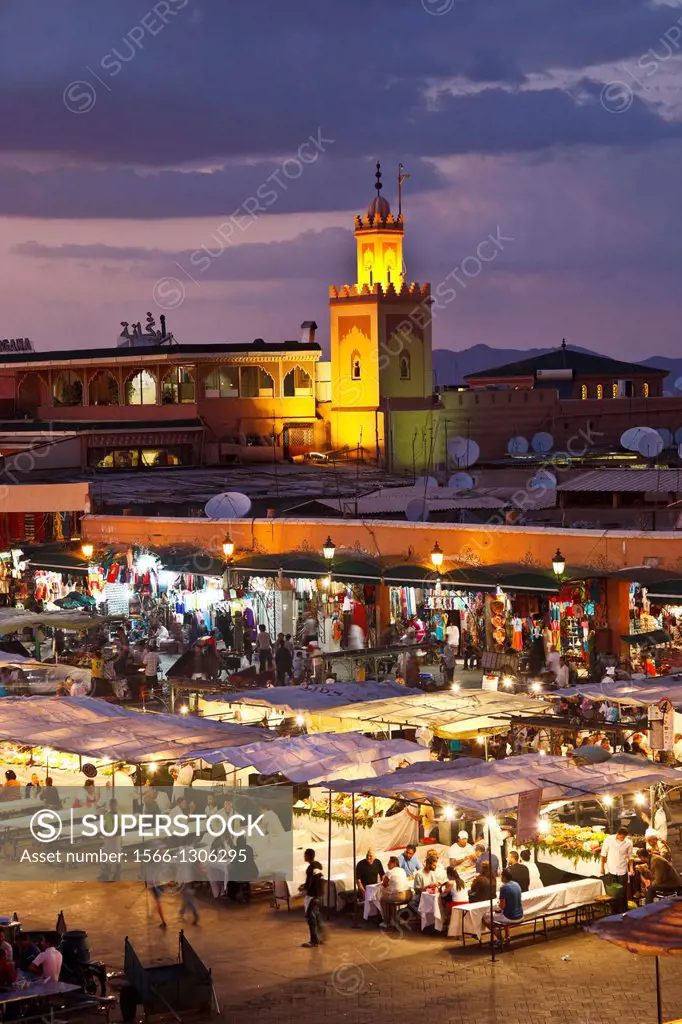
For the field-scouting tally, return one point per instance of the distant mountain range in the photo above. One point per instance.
(452, 367)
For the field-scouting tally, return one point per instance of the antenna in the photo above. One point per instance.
(402, 176)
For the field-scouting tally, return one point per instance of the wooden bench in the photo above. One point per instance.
(583, 913)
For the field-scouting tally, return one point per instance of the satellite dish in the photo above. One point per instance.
(230, 505)
(627, 436)
(457, 447)
(665, 436)
(679, 449)
(517, 446)
(678, 435)
(542, 442)
(469, 455)
(650, 445)
(678, 383)
(544, 480)
(416, 511)
(461, 482)
(426, 481)
(635, 434)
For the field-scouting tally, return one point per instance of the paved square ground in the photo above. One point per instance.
(364, 975)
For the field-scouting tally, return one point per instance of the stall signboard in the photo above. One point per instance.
(527, 814)
(490, 683)
(499, 661)
(662, 725)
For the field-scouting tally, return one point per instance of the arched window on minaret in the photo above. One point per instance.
(355, 366)
(404, 366)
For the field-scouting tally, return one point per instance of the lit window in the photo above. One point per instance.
(645, 389)
(614, 389)
(583, 391)
(140, 389)
(600, 390)
(355, 368)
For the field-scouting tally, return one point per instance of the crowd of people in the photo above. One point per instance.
(27, 957)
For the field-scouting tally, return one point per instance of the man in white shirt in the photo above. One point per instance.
(553, 659)
(150, 664)
(452, 637)
(462, 857)
(562, 673)
(533, 870)
(616, 861)
(47, 964)
(395, 888)
(264, 648)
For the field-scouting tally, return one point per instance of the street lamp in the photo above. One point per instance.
(558, 563)
(437, 557)
(87, 550)
(228, 547)
(329, 549)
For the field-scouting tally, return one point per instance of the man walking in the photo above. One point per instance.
(264, 647)
(312, 899)
(617, 863)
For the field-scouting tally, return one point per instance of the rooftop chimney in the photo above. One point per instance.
(308, 328)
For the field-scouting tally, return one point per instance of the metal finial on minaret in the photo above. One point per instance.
(378, 177)
(402, 177)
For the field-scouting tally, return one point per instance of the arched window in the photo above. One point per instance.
(645, 389)
(103, 389)
(600, 390)
(583, 391)
(67, 388)
(614, 389)
(31, 394)
(355, 366)
(404, 366)
(177, 387)
(297, 383)
(256, 383)
(222, 383)
(141, 389)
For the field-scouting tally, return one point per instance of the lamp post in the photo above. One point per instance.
(558, 564)
(437, 557)
(228, 548)
(87, 550)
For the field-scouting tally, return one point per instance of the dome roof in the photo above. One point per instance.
(379, 207)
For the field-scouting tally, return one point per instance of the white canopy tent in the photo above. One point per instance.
(96, 729)
(13, 620)
(312, 758)
(446, 712)
(493, 787)
(630, 692)
(313, 699)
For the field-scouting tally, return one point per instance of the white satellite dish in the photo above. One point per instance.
(461, 482)
(417, 511)
(542, 442)
(468, 456)
(650, 445)
(678, 435)
(635, 434)
(426, 481)
(229, 505)
(665, 436)
(679, 449)
(457, 447)
(517, 446)
(627, 436)
(544, 480)
(678, 383)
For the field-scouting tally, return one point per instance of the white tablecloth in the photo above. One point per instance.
(431, 910)
(372, 904)
(536, 901)
(586, 868)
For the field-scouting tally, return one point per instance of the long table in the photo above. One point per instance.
(468, 920)
(586, 868)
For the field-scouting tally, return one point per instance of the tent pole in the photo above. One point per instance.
(329, 858)
(492, 886)
(659, 1007)
(356, 904)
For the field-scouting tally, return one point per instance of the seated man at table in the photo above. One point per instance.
(482, 855)
(664, 879)
(394, 889)
(409, 861)
(518, 871)
(4, 944)
(509, 908)
(8, 972)
(49, 795)
(462, 856)
(432, 874)
(27, 951)
(48, 963)
(368, 871)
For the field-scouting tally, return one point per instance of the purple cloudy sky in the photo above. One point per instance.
(130, 132)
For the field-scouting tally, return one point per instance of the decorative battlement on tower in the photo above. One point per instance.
(377, 222)
(411, 290)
